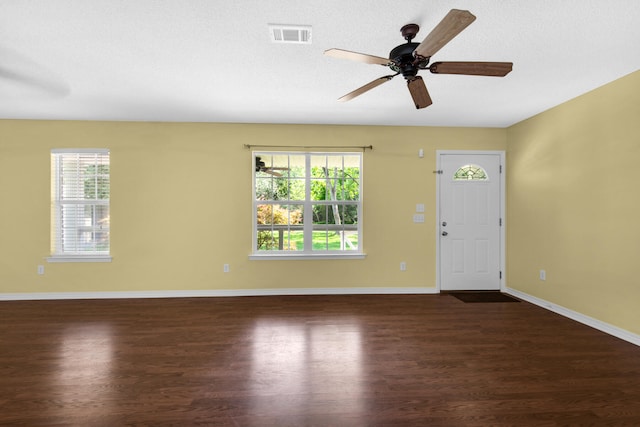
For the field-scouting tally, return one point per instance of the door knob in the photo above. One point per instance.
(444, 233)
(444, 223)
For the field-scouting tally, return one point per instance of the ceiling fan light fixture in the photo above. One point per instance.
(284, 33)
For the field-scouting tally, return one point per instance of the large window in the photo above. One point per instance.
(80, 205)
(307, 204)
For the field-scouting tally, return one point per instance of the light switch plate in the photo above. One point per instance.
(420, 207)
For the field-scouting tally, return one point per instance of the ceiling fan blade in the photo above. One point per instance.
(377, 82)
(17, 68)
(495, 69)
(355, 56)
(450, 26)
(419, 92)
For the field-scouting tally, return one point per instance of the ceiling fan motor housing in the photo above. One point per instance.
(403, 60)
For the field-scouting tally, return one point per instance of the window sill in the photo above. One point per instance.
(79, 258)
(305, 256)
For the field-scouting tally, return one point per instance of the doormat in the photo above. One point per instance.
(485, 296)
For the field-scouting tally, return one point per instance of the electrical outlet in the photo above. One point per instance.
(543, 275)
(403, 266)
(41, 270)
(225, 268)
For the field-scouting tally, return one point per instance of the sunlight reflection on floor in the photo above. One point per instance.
(86, 362)
(306, 362)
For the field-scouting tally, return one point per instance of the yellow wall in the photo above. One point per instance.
(181, 205)
(573, 204)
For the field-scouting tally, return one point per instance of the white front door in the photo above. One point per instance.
(469, 221)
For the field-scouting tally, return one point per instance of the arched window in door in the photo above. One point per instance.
(470, 173)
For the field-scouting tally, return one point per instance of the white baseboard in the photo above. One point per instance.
(578, 317)
(213, 293)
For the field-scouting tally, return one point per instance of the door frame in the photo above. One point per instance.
(503, 229)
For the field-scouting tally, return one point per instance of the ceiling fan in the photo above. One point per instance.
(409, 58)
(262, 167)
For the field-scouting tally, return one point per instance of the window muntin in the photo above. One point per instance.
(470, 173)
(307, 203)
(80, 197)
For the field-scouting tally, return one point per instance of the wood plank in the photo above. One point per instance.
(309, 360)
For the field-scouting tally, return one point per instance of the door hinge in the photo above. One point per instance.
(500, 222)
(500, 168)
(501, 274)
(439, 172)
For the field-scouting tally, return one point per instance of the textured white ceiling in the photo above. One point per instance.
(212, 61)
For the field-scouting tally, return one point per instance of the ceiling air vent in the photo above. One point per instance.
(290, 33)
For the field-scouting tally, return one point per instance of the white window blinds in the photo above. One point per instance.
(80, 202)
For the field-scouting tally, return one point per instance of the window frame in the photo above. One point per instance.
(307, 203)
(58, 254)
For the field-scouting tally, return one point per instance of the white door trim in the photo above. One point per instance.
(503, 229)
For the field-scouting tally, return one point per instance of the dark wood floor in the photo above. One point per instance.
(409, 360)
